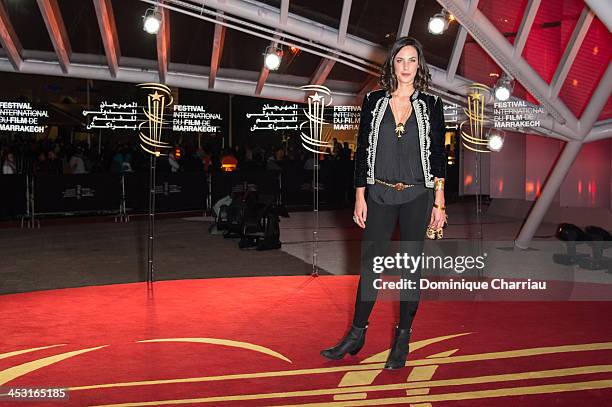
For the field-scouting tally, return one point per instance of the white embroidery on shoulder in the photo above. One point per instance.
(420, 109)
(377, 115)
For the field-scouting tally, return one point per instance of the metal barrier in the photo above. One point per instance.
(29, 219)
(122, 216)
(30, 197)
(14, 196)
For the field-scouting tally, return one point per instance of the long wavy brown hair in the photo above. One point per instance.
(388, 80)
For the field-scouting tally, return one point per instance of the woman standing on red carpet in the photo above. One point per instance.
(401, 160)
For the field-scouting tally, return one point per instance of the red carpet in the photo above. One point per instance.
(256, 341)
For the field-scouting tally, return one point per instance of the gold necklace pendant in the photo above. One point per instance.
(399, 129)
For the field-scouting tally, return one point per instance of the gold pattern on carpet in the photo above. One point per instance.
(356, 387)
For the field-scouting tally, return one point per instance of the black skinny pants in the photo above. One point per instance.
(381, 220)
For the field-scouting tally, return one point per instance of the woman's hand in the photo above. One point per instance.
(361, 208)
(438, 215)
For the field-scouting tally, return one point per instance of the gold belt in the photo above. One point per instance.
(398, 186)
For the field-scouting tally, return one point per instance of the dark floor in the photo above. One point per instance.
(83, 254)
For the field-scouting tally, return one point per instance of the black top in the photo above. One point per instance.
(398, 159)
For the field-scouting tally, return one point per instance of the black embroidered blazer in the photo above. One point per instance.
(429, 114)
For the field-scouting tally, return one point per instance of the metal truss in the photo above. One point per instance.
(510, 59)
(108, 31)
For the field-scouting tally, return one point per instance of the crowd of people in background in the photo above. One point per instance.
(57, 157)
(48, 157)
(53, 157)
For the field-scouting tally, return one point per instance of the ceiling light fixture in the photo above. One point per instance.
(273, 57)
(439, 23)
(503, 88)
(151, 21)
(495, 140)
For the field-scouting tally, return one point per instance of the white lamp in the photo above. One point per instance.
(273, 58)
(151, 21)
(438, 23)
(495, 140)
(503, 88)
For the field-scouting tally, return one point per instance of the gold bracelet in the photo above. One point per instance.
(443, 208)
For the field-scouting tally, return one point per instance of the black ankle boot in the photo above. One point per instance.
(351, 343)
(399, 351)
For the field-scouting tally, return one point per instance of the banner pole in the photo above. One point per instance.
(150, 241)
(315, 205)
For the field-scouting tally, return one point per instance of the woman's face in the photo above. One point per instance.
(405, 64)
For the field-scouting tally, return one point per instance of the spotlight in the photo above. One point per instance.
(273, 58)
(503, 88)
(599, 240)
(438, 23)
(573, 236)
(495, 140)
(151, 21)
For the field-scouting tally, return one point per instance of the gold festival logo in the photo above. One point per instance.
(357, 387)
(315, 119)
(477, 97)
(157, 101)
